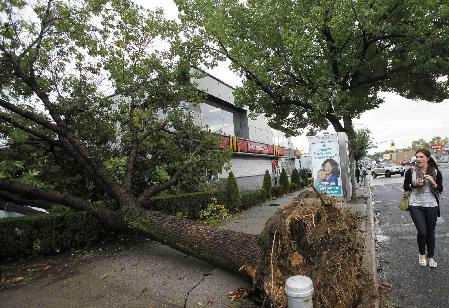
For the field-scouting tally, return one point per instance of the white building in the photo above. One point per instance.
(257, 147)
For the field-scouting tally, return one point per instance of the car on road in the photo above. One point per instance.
(387, 169)
(405, 162)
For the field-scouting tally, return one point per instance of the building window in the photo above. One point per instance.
(217, 119)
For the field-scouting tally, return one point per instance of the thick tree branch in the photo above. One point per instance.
(17, 200)
(107, 216)
(30, 116)
(155, 189)
(132, 155)
(71, 150)
(33, 132)
(12, 207)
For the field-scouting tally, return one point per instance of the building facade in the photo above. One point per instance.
(256, 146)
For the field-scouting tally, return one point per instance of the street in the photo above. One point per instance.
(397, 251)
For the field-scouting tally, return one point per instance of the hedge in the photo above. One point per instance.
(250, 199)
(277, 191)
(188, 205)
(46, 233)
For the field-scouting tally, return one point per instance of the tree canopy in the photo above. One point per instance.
(362, 143)
(94, 102)
(310, 64)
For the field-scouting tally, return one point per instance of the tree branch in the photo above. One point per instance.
(12, 207)
(33, 132)
(45, 22)
(17, 200)
(155, 189)
(111, 218)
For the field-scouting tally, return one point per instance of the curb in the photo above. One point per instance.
(371, 244)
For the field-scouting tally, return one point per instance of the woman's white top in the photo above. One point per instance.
(422, 196)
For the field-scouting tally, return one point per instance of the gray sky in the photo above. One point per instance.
(398, 119)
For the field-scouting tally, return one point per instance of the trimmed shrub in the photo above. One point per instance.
(187, 205)
(253, 198)
(277, 191)
(292, 187)
(283, 181)
(304, 174)
(47, 233)
(215, 214)
(296, 179)
(266, 186)
(232, 193)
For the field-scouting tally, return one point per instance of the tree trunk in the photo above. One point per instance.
(310, 236)
(235, 251)
(349, 129)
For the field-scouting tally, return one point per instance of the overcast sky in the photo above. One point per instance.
(398, 119)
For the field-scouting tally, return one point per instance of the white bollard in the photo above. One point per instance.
(299, 290)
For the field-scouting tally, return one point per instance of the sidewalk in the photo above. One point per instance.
(150, 274)
(147, 274)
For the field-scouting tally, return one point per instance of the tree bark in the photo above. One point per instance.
(351, 137)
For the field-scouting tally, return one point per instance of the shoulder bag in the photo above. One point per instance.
(404, 203)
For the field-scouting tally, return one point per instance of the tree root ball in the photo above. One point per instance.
(317, 239)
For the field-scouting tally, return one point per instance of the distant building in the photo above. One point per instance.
(397, 157)
(256, 146)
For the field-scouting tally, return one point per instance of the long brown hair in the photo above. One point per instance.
(432, 163)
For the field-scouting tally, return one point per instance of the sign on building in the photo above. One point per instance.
(326, 167)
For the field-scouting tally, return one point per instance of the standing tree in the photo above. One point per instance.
(283, 181)
(310, 64)
(296, 179)
(232, 193)
(266, 186)
(420, 144)
(362, 143)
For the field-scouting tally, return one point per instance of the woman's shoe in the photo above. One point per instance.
(422, 260)
(432, 263)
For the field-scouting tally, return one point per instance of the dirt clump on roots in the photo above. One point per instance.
(316, 237)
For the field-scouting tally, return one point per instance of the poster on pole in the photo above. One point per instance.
(326, 168)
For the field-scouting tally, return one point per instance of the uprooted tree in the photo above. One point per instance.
(94, 117)
(310, 64)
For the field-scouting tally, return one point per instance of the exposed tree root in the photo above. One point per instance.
(315, 237)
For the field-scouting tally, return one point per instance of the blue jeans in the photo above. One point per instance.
(425, 220)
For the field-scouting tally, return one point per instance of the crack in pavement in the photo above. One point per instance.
(199, 282)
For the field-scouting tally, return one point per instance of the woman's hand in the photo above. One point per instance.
(431, 180)
(418, 183)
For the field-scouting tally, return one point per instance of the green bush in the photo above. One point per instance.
(187, 205)
(304, 174)
(232, 194)
(47, 233)
(215, 214)
(283, 181)
(292, 187)
(266, 186)
(296, 179)
(253, 198)
(277, 191)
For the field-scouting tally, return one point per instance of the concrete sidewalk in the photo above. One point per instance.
(150, 274)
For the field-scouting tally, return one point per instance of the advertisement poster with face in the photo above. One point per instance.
(326, 170)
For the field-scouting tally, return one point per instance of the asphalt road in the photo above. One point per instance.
(397, 250)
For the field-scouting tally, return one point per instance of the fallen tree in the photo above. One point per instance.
(92, 120)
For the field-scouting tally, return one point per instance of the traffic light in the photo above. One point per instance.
(392, 144)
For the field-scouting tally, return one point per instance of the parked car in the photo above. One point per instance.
(405, 162)
(387, 169)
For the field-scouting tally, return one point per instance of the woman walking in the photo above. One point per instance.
(425, 182)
